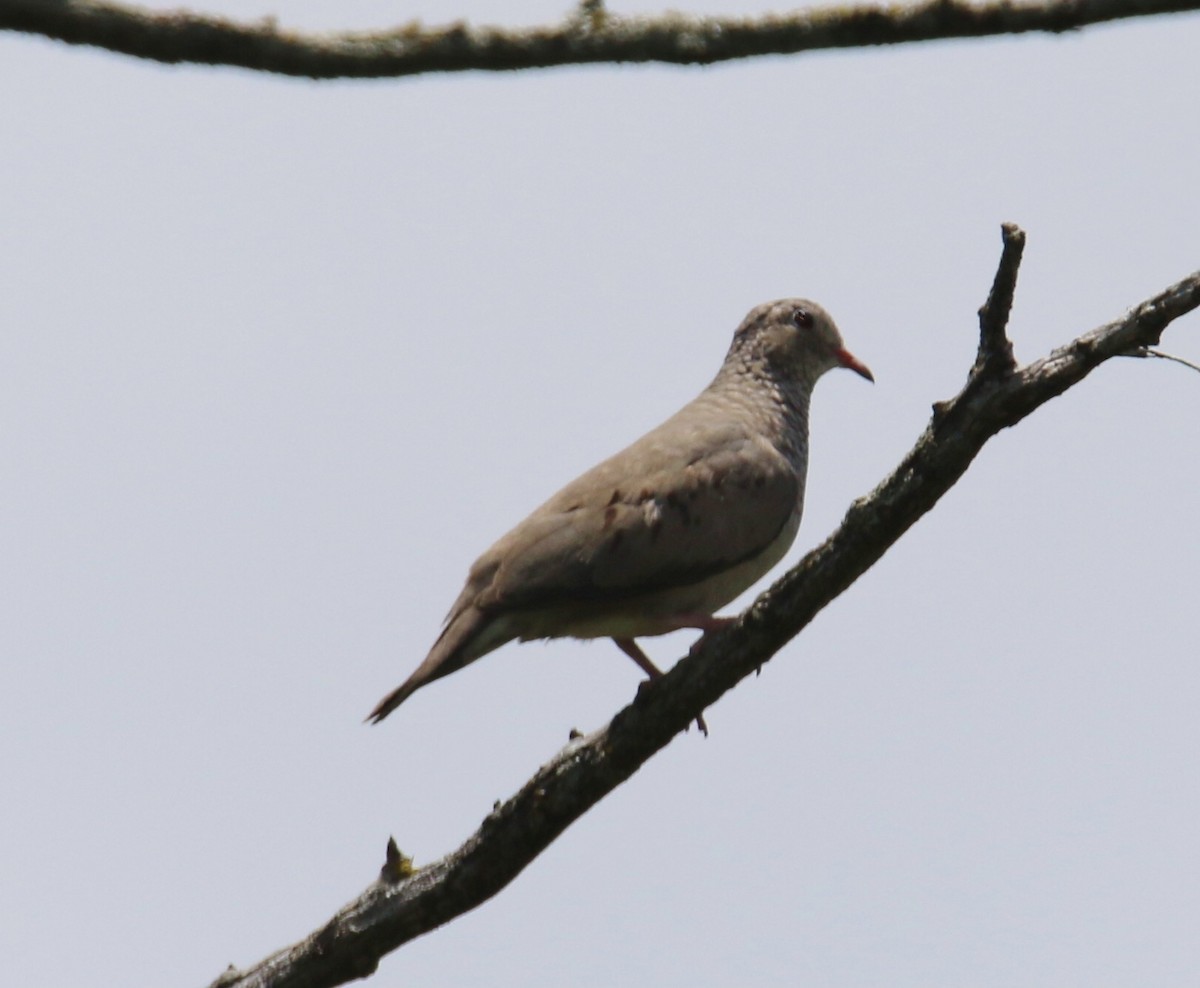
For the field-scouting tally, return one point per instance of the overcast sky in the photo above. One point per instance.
(278, 359)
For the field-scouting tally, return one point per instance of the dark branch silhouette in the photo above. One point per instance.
(590, 35)
(403, 904)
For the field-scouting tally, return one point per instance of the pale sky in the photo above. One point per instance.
(279, 359)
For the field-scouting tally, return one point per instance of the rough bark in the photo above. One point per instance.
(590, 35)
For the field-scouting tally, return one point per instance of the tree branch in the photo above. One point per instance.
(590, 35)
(403, 904)
(995, 356)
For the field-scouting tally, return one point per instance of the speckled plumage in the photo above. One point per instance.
(670, 529)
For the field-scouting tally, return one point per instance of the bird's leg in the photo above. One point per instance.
(634, 651)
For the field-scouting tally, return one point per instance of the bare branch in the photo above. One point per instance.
(402, 905)
(995, 354)
(590, 35)
(1145, 351)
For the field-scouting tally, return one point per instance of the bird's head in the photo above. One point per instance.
(794, 338)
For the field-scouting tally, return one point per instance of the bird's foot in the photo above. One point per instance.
(634, 651)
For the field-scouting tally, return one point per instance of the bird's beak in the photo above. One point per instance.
(851, 362)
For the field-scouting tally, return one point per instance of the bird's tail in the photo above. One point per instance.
(462, 641)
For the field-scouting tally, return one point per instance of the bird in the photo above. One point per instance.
(663, 534)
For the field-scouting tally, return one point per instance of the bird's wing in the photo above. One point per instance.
(655, 516)
(660, 514)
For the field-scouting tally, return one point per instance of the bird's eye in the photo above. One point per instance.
(802, 318)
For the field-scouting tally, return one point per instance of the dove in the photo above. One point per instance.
(660, 536)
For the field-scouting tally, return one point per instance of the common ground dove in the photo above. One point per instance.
(670, 529)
